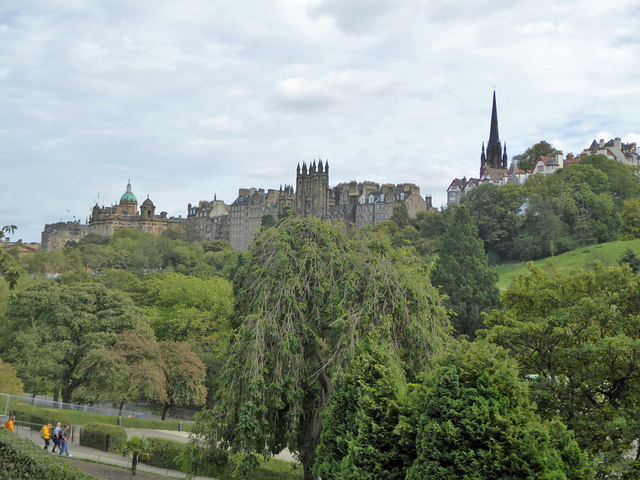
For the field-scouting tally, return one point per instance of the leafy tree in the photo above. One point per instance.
(137, 447)
(430, 226)
(576, 337)
(476, 422)
(183, 307)
(527, 160)
(622, 179)
(359, 438)
(184, 373)
(268, 220)
(630, 225)
(54, 326)
(9, 266)
(305, 295)
(400, 215)
(463, 272)
(497, 211)
(9, 381)
(130, 369)
(286, 212)
(631, 259)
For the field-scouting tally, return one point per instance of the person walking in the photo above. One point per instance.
(10, 424)
(46, 435)
(56, 438)
(64, 441)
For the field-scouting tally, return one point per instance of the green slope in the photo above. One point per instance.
(608, 253)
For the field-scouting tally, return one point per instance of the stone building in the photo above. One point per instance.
(105, 221)
(312, 189)
(56, 235)
(210, 218)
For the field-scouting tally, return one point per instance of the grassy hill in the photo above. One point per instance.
(608, 253)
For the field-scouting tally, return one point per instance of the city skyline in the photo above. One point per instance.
(201, 98)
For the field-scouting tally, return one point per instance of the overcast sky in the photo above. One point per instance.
(194, 98)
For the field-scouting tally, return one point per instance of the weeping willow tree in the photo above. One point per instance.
(306, 294)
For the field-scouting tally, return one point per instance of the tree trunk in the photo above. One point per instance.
(121, 407)
(56, 393)
(134, 464)
(165, 410)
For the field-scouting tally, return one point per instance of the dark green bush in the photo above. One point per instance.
(20, 459)
(109, 438)
(164, 453)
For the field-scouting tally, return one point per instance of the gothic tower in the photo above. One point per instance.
(495, 157)
(312, 189)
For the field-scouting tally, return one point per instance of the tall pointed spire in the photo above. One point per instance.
(494, 152)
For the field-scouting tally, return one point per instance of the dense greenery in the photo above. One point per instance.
(305, 296)
(109, 438)
(577, 339)
(20, 459)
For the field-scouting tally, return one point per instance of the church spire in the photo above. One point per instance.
(494, 156)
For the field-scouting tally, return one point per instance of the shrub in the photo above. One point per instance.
(20, 459)
(109, 438)
(164, 453)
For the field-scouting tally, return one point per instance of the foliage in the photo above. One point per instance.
(400, 215)
(630, 219)
(185, 307)
(305, 295)
(9, 267)
(164, 452)
(359, 438)
(631, 259)
(9, 381)
(130, 369)
(108, 438)
(527, 160)
(463, 272)
(576, 336)
(476, 422)
(430, 226)
(138, 448)
(21, 459)
(54, 326)
(268, 220)
(184, 374)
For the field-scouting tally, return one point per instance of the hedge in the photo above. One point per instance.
(20, 459)
(74, 417)
(164, 452)
(108, 438)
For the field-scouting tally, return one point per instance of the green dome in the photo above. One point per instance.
(128, 196)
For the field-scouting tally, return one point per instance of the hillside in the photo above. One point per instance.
(608, 253)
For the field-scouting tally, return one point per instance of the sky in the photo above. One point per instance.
(195, 98)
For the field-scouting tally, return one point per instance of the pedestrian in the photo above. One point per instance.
(10, 424)
(46, 435)
(64, 441)
(56, 438)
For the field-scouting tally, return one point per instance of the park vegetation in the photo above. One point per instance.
(382, 353)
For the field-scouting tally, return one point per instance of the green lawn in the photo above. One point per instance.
(608, 253)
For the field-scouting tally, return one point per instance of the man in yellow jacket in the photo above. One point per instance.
(46, 435)
(9, 424)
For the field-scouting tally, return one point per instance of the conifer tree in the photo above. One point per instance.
(462, 270)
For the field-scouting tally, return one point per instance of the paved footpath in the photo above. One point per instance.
(87, 453)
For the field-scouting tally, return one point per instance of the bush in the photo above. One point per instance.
(20, 459)
(109, 438)
(164, 453)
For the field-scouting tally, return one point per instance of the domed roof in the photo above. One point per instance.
(148, 202)
(128, 196)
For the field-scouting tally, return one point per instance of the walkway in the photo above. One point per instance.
(87, 453)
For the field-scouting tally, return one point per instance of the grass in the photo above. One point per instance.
(608, 253)
(73, 417)
(270, 469)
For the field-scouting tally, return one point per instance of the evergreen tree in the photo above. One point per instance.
(462, 270)
(477, 423)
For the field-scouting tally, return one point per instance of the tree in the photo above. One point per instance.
(9, 381)
(130, 369)
(137, 447)
(360, 438)
(184, 373)
(631, 259)
(9, 266)
(463, 272)
(400, 215)
(305, 296)
(576, 339)
(527, 160)
(64, 323)
(268, 220)
(476, 422)
(630, 225)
